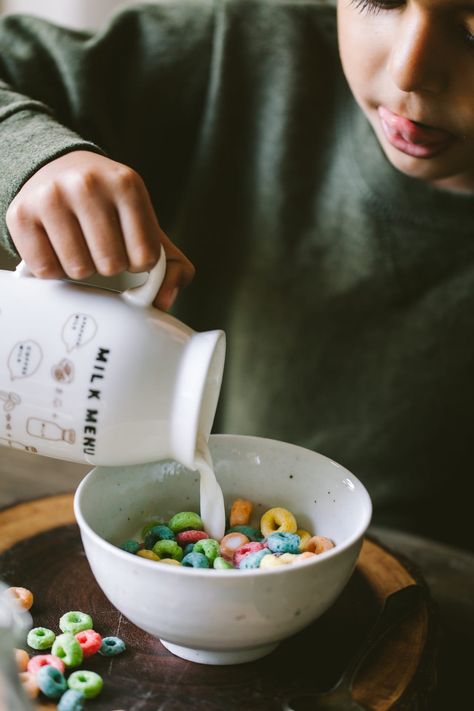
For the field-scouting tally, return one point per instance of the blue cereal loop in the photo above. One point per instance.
(112, 646)
(252, 560)
(195, 560)
(71, 700)
(282, 542)
(51, 682)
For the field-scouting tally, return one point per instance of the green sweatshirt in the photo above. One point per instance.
(346, 288)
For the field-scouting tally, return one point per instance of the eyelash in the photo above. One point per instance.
(373, 7)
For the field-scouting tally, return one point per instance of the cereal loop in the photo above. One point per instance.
(283, 542)
(230, 543)
(87, 682)
(195, 560)
(40, 638)
(21, 658)
(210, 548)
(305, 536)
(270, 561)
(130, 546)
(250, 547)
(254, 559)
(90, 641)
(75, 621)
(222, 564)
(186, 519)
(51, 682)
(71, 700)
(319, 544)
(112, 646)
(44, 660)
(145, 553)
(253, 534)
(22, 595)
(67, 648)
(28, 682)
(240, 512)
(169, 561)
(168, 549)
(185, 537)
(277, 520)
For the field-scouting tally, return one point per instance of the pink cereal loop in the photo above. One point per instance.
(90, 641)
(319, 544)
(43, 660)
(185, 537)
(244, 550)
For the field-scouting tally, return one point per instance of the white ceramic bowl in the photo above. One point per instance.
(223, 616)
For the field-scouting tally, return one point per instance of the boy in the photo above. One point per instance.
(332, 236)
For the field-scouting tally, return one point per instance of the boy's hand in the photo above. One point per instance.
(84, 213)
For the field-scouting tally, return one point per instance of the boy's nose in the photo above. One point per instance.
(417, 62)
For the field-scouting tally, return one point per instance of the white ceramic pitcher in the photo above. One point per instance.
(100, 377)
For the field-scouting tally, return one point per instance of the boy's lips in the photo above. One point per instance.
(413, 138)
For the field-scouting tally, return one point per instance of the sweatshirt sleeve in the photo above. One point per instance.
(134, 91)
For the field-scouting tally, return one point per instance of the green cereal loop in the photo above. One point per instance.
(40, 638)
(67, 648)
(221, 563)
(186, 519)
(208, 546)
(168, 549)
(87, 682)
(253, 534)
(75, 621)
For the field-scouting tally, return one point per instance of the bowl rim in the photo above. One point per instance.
(227, 573)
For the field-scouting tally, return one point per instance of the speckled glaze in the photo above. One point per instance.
(224, 616)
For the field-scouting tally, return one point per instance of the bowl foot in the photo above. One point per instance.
(219, 656)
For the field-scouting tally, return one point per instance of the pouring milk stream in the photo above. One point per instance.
(100, 377)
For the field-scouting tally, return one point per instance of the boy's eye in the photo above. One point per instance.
(375, 6)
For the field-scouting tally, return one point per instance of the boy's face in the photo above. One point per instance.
(410, 65)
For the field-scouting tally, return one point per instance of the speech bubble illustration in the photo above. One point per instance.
(78, 330)
(24, 359)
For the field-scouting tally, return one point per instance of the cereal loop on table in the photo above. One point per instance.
(71, 700)
(51, 682)
(40, 638)
(240, 512)
(230, 543)
(68, 649)
(87, 682)
(186, 519)
(45, 660)
(90, 641)
(75, 621)
(319, 544)
(28, 682)
(23, 596)
(112, 646)
(21, 658)
(277, 520)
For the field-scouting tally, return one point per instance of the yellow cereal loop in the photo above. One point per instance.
(270, 561)
(287, 558)
(240, 512)
(305, 536)
(277, 520)
(169, 561)
(305, 555)
(144, 553)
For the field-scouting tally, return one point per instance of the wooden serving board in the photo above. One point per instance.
(41, 549)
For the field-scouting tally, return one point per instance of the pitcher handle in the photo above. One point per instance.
(142, 295)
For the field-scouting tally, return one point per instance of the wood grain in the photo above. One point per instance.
(40, 548)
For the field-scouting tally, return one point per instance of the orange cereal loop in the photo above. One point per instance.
(230, 543)
(28, 682)
(277, 520)
(23, 596)
(319, 544)
(240, 512)
(305, 538)
(21, 658)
